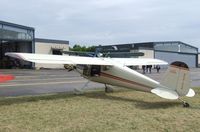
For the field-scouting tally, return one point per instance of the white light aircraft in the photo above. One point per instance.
(115, 71)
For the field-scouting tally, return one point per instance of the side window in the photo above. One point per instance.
(95, 70)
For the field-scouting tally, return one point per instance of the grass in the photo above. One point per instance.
(123, 110)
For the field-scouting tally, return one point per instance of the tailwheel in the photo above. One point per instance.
(185, 104)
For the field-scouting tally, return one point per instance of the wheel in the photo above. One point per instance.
(185, 104)
(108, 89)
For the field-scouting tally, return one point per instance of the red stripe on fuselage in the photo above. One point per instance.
(123, 80)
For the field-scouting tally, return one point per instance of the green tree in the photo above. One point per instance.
(77, 47)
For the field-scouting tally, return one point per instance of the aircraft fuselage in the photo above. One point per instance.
(118, 75)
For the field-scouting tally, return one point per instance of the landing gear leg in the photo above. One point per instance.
(81, 90)
(108, 89)
(185, 104)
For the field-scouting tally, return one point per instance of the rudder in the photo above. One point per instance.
(177, 78)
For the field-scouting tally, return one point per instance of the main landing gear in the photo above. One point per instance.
(80, 91)
(108, 89)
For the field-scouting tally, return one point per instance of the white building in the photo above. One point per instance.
(49, 46)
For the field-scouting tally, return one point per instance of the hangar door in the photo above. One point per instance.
(189, 59)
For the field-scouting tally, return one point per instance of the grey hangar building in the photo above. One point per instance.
(20, 38)
(169, 51)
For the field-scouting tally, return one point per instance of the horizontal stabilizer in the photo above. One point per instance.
(191, 93)
(165, 93)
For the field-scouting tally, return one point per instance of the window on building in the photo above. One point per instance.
(56, 52)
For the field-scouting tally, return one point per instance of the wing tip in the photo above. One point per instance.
(14, 55)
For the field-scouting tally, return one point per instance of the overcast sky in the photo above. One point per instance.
(94, 22)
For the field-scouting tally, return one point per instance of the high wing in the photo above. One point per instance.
(58, 59)
(139, 61)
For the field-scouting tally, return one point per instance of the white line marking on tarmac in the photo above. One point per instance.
(47, 83)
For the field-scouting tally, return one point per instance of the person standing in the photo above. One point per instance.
(157, 68)
(147, 68)
(150, 67)
(143, 68)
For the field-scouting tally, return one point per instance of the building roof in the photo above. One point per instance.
(165, 42)
(151, 46)
(16, 25)
(149, 43)
(51, 41)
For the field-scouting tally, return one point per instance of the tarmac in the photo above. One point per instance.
(35, 82)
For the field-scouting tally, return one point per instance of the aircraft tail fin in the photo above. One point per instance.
(177, 78)
(175, 83)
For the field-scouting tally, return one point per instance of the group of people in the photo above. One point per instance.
(147, 68)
